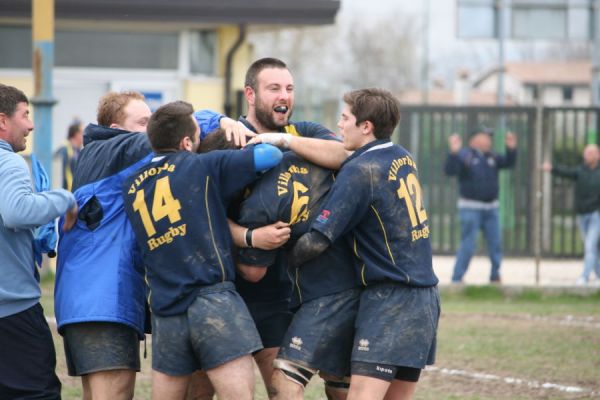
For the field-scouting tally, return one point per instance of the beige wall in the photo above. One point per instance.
(204, 94)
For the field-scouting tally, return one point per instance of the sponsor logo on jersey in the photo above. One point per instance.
(296, 343)
(363, 345)
(324, 216)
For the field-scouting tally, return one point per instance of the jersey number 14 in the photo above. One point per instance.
(163, 205)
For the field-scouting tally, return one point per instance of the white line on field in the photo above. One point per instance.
(511, 381)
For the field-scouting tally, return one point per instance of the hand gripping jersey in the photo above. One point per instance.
(177, 207)
(99, 270)
(294, 192)
(378, 197)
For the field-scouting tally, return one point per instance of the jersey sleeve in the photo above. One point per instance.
(313, 130)
(207, 121)
(234, 169)
(257, 257)
(347, 203)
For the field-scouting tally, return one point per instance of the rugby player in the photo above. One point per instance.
(269, 93)
(176, 206)
(377, 197)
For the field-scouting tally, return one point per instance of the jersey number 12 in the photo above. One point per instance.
(408, 188)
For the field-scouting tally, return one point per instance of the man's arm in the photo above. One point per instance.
(453, 163)
(325, 153)
(20, 207)
(266, 237)
(309, 246)
(209, 120)
(509, 159)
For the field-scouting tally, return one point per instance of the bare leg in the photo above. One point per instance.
(117, 384)
(264, 360)
(234, 380)
(167, 387)
(87, 391)
(283, 388)
(367, 388)
(401, 390)
(200, 387)
(335, 393)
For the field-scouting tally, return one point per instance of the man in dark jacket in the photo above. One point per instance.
(587, 204)
(477, 169)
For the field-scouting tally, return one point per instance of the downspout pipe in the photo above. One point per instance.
(228, 106)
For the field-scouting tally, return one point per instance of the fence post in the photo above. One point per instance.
(537, 189)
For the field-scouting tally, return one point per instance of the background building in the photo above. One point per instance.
(195, 50)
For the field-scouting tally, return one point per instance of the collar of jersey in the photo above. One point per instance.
(371, 146)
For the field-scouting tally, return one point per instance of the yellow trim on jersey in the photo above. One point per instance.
(149, 290)
(384, 235)
(291, 129)
(362, 269)
(298, 285)
(210, 228)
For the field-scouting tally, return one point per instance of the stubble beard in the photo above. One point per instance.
(264, 116)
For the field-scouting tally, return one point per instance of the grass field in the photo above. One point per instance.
(490, 346)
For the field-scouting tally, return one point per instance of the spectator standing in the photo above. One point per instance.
(477, 170)
(587, 205)
(69, 153)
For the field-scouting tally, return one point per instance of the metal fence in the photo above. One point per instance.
(536, 210)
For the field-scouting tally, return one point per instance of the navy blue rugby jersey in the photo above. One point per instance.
(177, 207)
(378, 197)
(277, 284)
(293, 192)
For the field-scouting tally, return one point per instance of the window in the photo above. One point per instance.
(97, 49)
(101, 49)
(567, 94)
(15, 47)
(202, 52)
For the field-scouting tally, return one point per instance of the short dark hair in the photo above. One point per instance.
(74, 129)
(10, 96)
(169, 124)
(111, 107)
(257, 66)
(216, 140)
(378, 106)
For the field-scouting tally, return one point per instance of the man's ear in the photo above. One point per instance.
(186, 144)
(115, 126)
(3, 119)
(250, 95)
(368, 128)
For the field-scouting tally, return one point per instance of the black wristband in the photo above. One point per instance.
(249, 237)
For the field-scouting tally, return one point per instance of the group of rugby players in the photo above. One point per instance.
(314, 258)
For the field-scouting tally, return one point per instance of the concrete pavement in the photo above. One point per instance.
(516, 272)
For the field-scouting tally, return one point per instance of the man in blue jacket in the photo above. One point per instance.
(99, 293)
(28, 357)
(477, 169)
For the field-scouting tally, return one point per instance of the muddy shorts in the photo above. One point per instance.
(215, 329)
(100, 346)
(322, 332)
(397, 325)
(272, 320)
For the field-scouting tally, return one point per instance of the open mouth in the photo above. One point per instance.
(281, 109)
